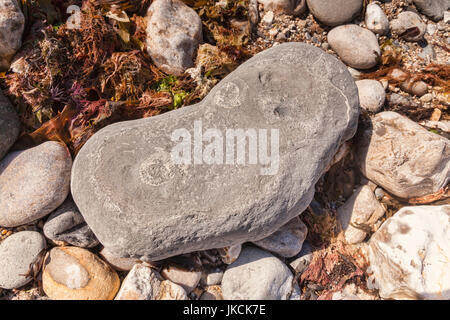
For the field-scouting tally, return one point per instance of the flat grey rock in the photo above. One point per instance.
(9, 125)
(17, 253)
(434, 9)
(67, 224)
(335, 12)
(33, 183)
(141, 202)
(257, 275)
(12, 24)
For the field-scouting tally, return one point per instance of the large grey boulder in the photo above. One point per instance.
(335, 12)
(33, 183)
(402, 157)
(12, 24)
(9, 125)
(433, 8)
(142, 201)
(174, 32)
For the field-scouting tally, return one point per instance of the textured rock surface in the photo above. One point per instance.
(140, 203)
(17, 253)
(371, 95)
(352, 292)
(433, 8)
(33, 183)
(292, 7)
(9, 125)
(72, 273)
(67, 224)
(257, 275)
(336, 12)
(409, 255)
(360, 210)
(174, 32)
(402, 157)
(356, 46)
(141, 283)
(287, 241)
(187, 279)
(12, 23)
(409, 26)
(376, 20)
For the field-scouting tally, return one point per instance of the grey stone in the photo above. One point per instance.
(371, 95)
(17, 253)
(336, 12)
(287, 241)
(434, 9)
(257, 275)
(9, 125)
(376, 20)
(67, 224)
(33, 183)
(409, 26)
(402, 157)
(140, 203)
(174, 32)
(12, 24)
(212, 278)
(356, 46)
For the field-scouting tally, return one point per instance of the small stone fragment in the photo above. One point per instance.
(187, 279)
(409, 26)
(376, 19)
(371, 95)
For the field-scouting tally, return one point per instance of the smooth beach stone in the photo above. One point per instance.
(187, 279)
(257, 275)
(172, 291)
(9, 125)
(371, 94)
(144, 200)
(67, 224)
(17, 253)
(12, 24)
(335, 12)
(287, 241)
(230, 254)
(434, 9)
(356, 46)
(376, 20)
(33, 183)
(402, 157)
(409, 255)
(174, 32)
(72, 273)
